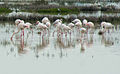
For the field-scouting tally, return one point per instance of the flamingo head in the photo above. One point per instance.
(18, 22)
(37, 22)
(48, 24)
(87, 24)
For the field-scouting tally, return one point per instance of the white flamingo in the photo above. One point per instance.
(71, 25)
(106, 25)
(42, 27)
(88, 24)
(20, 27)
(45, 20)
(66, 29)
(17, 21)
(57, 21)
(76, 20)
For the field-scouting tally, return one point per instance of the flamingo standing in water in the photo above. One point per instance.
(65, 29)
(77, 23)
(107, 26)
(71, 25)
(88, 24)
(41, 26)
(46, 21)
(20, 26)
(17, 21)
(57, 21)
(58, 26)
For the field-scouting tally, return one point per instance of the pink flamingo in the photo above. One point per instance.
(45, 20)
(58, 26)
(41, 26)
(20, 27)
(83, 31)
(106, 25)
(57, 21)
(17, 21)
(66, 29)
(88, 24)
(75, 21)
(71, 25)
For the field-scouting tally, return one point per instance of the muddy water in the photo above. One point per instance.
(88, 54)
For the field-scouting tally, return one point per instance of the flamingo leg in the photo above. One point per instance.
(53, 33)
(23, 32)
(32, 32)
(14, 34)
(65, 34)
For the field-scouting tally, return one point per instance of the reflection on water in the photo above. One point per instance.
(78, 53)
(49, 46)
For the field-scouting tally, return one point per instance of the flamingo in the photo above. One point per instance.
(41, 26)
(17, 21)
(65, 29)
(45, 20)
(78, 24)
(20, 27)
(83, 31)
(84, 22)
(57, 21)
(76, 20)
(88, 24)
(71, 25)
(57, 25)
(48, 24)
(28, 26)
(107, 25)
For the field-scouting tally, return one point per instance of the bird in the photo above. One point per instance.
(57, 21)
(106, 25)
(45, 20)
(17, 21)
(42, 27)
(82, 30)
(84, 22)
(88, 24)
(20, 27)
(75, 21)
(78, 24)
(71, 25)
(65, 29)
(48, 24)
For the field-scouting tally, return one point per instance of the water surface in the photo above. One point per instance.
(90, 54)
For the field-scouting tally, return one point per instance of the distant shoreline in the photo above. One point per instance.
(52, 11)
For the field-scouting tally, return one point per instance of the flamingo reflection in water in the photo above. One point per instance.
(107, 40)
(22, 46)
(41, 45)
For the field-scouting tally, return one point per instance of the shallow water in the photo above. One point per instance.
(88, 54)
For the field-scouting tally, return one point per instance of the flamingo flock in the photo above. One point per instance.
(61, 29)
